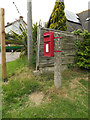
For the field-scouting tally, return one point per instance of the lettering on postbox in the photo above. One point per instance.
(49, 44)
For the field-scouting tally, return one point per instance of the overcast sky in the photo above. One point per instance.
(41, 9)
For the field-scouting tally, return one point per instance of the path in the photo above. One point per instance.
(11, 56)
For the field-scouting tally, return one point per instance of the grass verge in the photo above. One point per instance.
(24, 90)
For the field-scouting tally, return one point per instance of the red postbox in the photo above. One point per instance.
(49, 44)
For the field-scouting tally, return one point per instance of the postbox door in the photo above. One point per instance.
(48, 44)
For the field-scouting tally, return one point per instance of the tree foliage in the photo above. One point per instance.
(21, 38)
(58, 18)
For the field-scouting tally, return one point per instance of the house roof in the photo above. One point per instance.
(88, 19)
(71, 26)
(72, 16)
(83, 11)
(20, 18)
(85, 15)
(85, 19)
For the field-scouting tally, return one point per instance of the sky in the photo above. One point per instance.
(41, 9)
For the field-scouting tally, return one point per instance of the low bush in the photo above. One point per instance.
(82, 58)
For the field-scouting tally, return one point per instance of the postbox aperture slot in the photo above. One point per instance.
(47, 41)
(45, 36)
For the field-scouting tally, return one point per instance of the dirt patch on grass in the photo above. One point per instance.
(61, 91)
(36, 97)
(73, 84)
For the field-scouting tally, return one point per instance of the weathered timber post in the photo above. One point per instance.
(29, 30)
(38, 47)
(57, 64)
(2, 39)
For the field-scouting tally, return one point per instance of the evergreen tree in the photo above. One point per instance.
(58, 18)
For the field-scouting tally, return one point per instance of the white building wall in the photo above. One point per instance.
(14, 27)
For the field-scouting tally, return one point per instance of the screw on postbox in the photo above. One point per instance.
(49, 44)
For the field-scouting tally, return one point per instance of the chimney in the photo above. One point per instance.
(8, 23)
(59, 0)
(89, 5)
(21, 17)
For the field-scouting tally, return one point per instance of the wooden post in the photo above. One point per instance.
(57, 65)
(38, 47)
(2, 39)
(29, 30)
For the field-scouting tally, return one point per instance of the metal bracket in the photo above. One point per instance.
(57, 51)
(57, 37)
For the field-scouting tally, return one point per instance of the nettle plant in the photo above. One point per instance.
(82, 58)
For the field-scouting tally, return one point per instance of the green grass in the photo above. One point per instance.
(13, 66)
(71, 101)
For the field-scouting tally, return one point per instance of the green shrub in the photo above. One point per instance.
(83, 50)
(78, 32)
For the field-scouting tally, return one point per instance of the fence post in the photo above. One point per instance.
(2, 39)
(38, 47)
(57, 65)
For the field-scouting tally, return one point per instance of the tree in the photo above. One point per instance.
(58, 18)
